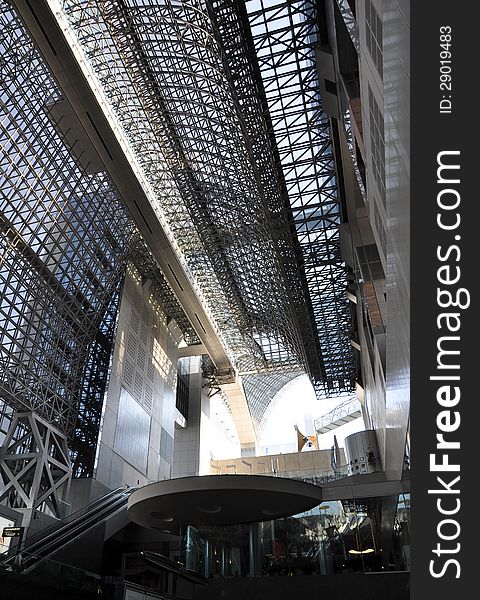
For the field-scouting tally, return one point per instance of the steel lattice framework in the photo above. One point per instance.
(261, 389)
(285, 35)
(65, 240)
(58, 269)
(245, 183)
(220, 106)
(177, 111)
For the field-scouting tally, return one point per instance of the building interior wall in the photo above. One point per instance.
(388, 90)
(396, 27)
(187, 439)
(359, 234)
(136, 442)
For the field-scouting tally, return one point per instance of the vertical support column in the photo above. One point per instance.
(222, 560)
(253, 558)
(207, 558)
(35, 468)
(272, 538)
(321, 551)
(189, 550)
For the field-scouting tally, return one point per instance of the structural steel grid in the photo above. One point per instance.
(284, 36)
(65, 240)
(227, 126)
(243, 175)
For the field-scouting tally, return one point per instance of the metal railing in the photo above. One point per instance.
(323, 476)
(50, 540)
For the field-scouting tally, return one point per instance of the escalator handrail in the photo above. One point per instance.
(67, 536)
(82, 526)
(41, 535)
(95, 512)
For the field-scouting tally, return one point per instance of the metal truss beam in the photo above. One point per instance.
(34, 465)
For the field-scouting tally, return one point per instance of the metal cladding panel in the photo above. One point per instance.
(132, 433)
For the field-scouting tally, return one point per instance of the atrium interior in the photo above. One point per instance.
(204, 299)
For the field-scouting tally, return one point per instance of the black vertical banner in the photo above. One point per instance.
(445, 253)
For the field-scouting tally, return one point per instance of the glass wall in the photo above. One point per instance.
(402, 531)
(342, 536)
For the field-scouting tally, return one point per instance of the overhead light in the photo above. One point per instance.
(367, 551)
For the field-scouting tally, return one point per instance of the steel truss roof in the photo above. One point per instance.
(245, 181)
(177, 111)
(244, 177)
(284, 36)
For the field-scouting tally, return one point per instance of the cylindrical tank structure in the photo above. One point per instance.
(362, 452)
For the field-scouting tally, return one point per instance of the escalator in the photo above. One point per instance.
(51, 540)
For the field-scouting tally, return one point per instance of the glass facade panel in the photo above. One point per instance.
(340, 536)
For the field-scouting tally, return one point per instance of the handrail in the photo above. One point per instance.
(68, 530)
(15, 567)
(78, 523)
(43, 533)
(72, 531)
